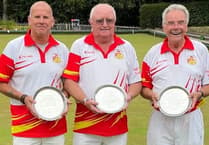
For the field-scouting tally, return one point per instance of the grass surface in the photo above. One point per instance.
(138, 111)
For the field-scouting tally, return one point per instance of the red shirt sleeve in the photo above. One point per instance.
(73, 67)
(6, 68)
(146, 77)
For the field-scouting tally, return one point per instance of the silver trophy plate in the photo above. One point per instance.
(174, 101)
(110, 98)
(50, 103)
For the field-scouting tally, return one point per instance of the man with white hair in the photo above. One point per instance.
(177, 61)
(97, 59)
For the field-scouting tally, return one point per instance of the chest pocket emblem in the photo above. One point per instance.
(56, 59)
(191, 60)
(119, 55)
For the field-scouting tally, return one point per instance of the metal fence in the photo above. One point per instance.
(87, 28)
(67, 28)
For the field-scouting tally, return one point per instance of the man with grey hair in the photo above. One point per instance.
(182, 62)
(98, 59)
(27, 64)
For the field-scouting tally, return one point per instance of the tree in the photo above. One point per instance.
(4, 10)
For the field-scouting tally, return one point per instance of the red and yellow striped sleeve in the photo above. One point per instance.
(6, 68)
(73, 67)
(145, 75)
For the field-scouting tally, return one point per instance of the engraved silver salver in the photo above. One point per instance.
(174, 101)
(50, 103)
(110, 98)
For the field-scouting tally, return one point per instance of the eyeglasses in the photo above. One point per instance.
(101, 21)
(173, 23)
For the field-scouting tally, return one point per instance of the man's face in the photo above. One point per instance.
(175, 26)
(103, 22)
(41, 20)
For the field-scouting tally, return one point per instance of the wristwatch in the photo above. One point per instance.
(22, 98)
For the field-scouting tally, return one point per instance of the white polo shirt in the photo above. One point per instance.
(27, 68)
(189, 68)
(91, 68)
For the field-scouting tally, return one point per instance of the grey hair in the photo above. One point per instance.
(100, 4)
(175, 7)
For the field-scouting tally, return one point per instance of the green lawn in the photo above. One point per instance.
(138, 111)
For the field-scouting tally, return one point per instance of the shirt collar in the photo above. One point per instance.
(90, 40)
(187, 45)
(29, 41)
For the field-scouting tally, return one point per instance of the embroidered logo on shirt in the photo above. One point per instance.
(25, 56)
(56, 58)
(119, 55)
(191, 60)
(89, 52)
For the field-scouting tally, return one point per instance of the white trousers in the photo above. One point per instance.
(184, 130)
(87, 139)
(57, 140)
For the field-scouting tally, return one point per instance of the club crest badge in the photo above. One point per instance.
(191, 60)
(119, 55)
(56, 59)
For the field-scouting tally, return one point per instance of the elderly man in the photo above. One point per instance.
(97, 59)
(177, 61)
(28, 63)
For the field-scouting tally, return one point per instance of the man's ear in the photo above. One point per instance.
(90, 21)
(28, 20)
(53, 22)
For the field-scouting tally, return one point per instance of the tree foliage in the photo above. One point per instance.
(128, 11)
(151, 14)
(64, 10)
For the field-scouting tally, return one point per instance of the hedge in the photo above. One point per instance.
(151, 14)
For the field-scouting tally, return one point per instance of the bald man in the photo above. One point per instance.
(27, 64)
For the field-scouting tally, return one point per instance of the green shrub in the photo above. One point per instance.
(150, 14)
(7, 24)
(199, 15)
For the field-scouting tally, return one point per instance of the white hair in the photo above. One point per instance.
(175, 7)
(102, 4)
